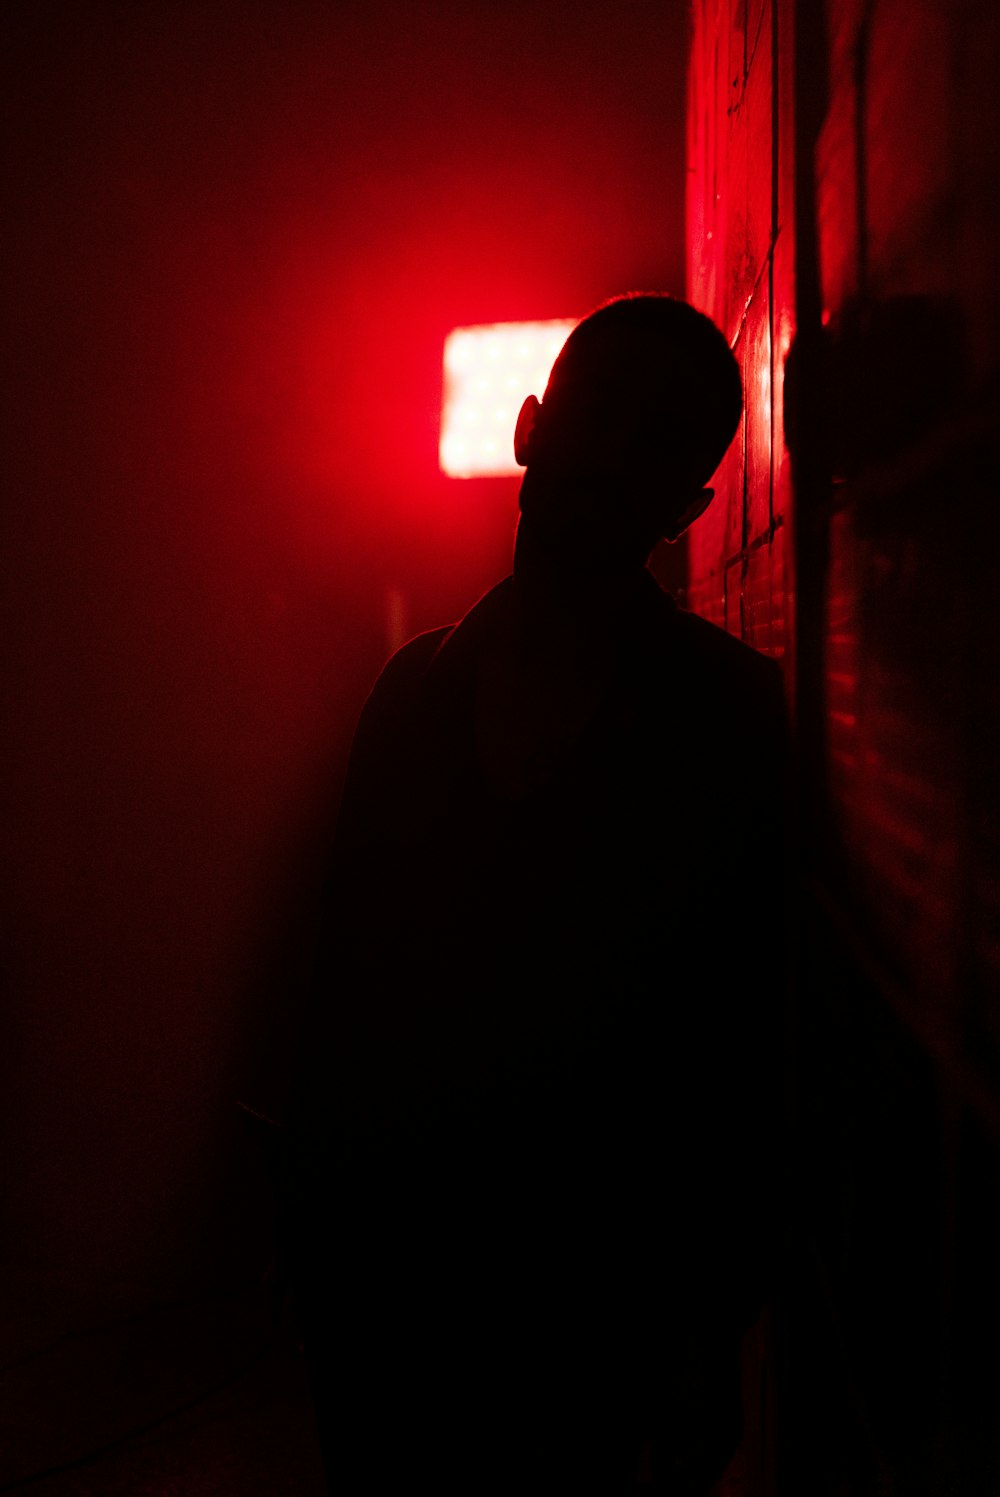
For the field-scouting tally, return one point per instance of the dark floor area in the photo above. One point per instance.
(205, 1400)
(254, 1438)
(197, 1400)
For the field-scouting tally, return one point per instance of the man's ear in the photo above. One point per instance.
(691, 512)
(527, 423)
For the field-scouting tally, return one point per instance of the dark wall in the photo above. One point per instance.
(897, 565)
(236, 236)
(843, 228)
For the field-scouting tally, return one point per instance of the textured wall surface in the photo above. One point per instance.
(844, 230)
(739, 271)
(908, 234)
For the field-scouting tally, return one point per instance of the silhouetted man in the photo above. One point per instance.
(534, 1114)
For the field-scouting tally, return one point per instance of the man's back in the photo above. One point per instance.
(535, 1060)
(536, 1112)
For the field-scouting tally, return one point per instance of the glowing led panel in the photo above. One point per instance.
(488, 371)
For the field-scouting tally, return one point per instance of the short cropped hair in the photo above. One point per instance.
(661, 357)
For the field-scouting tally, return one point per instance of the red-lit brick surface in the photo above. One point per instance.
(842, 209)
(755, 358)
(731, 216)
(782, 332)
(901, 101)
(763, 619)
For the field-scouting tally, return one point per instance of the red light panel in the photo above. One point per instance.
(488, 371)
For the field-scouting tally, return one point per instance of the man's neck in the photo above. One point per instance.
(571, 607)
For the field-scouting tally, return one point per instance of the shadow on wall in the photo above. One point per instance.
(899, 1064)
(876, 377)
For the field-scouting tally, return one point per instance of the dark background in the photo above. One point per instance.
(235, 237)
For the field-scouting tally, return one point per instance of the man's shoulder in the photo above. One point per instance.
(716, 649)
(720, 678)
(400, 677)
(414, 657)
(705, 649)
(411, 658)
(437, 656)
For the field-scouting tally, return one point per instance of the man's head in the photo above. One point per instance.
(640, 407)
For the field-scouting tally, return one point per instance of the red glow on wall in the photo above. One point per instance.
(488, 371)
